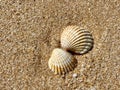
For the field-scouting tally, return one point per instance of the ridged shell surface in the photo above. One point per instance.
(61, 61)
(76, 39)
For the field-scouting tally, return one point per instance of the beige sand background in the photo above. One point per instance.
(30, 30)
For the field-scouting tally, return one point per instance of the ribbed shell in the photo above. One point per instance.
(61, 61)
(76, 39)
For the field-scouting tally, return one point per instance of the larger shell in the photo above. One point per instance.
(76, 39)
(61, 61)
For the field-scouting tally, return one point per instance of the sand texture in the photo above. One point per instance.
(31, 29)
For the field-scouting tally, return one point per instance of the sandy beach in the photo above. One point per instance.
(31, 29)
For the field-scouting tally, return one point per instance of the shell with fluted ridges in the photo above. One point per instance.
(61, 61)
(76, 39)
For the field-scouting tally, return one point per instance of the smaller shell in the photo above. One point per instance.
(76, 39)
(61, 61)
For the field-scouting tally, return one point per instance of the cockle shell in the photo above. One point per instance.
(76, 39)
(61, 61)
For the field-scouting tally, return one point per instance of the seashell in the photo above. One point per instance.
(61, 61)
(75, 75)
(76, 39)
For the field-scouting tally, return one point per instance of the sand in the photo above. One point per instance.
(31, 29)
